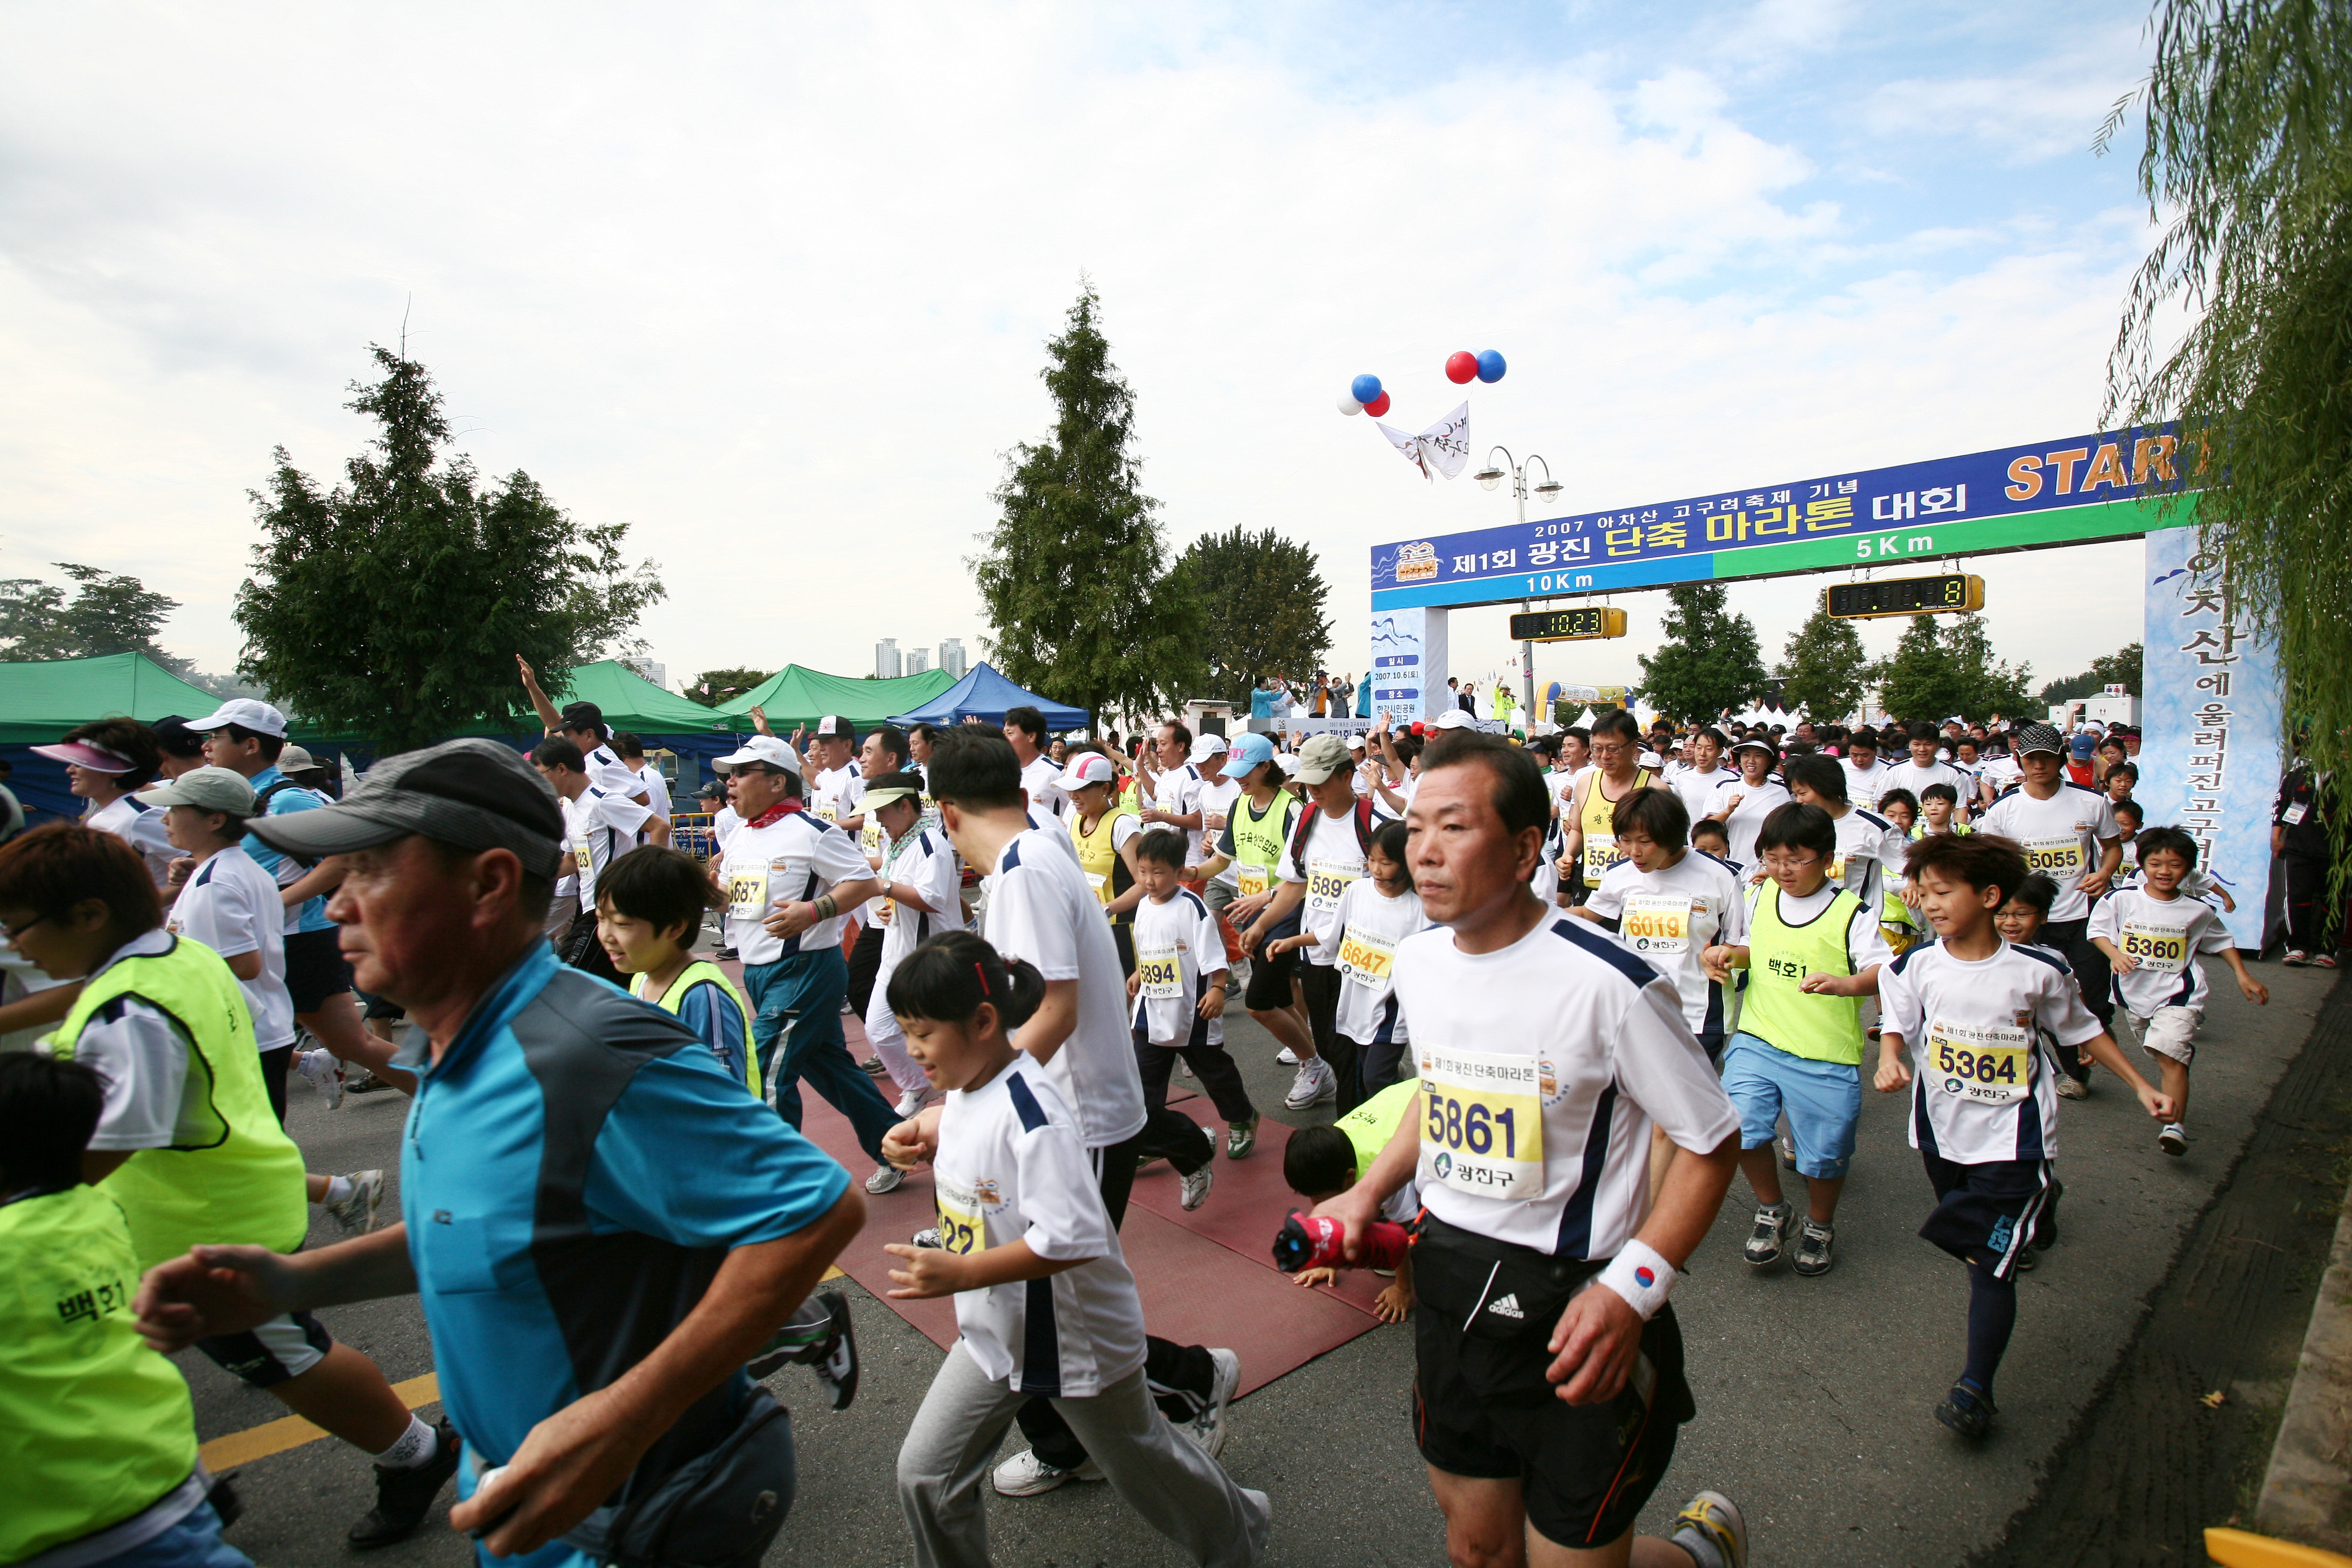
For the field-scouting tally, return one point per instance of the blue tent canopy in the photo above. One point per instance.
(985, 695)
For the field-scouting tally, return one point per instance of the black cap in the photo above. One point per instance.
(473, 794)
(582, 716)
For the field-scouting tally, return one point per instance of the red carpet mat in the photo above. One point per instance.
(1206, 1277)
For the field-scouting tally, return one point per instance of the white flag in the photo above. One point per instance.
(1446, 445)
(1405, 444)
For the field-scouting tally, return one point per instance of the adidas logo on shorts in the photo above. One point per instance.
(1505, 1306)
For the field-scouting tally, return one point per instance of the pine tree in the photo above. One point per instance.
(391, 606)
(1709, 662)
(1823, 669)
(1262, 599)
(1081, 604)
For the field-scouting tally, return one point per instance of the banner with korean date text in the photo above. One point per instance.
(2211, 744)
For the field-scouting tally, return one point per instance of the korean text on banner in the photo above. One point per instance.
(2210, 753)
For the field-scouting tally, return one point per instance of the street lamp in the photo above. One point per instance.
(1547, 494)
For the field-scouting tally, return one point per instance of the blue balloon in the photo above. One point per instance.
(1491, 366)
(1367, 388)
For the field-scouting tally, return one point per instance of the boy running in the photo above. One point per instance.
(1178, 991)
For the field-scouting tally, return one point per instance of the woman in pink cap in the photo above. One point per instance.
(107, 762)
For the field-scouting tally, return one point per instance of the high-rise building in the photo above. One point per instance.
(952, 657)
(919, 659)
(886, 660)
(656, 673)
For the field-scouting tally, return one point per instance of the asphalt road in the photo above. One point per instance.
(1813, 1395)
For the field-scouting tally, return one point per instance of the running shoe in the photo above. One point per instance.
(1196, 1187)
(2325, 961)
(835, 1362)
(1183, 1066)
(356, 1213)
(724, 955)
(1966, 1410)
(324, 1072)
(1208, 1428)
(911, 1101)
(1769, 1238)
(1241, 1139)
(362, 1083)
(929, 1238)
(1788, 1152)
(403, 1498)
(2072, 1088)
(2296, 958)
(1316, 1080)
(1026, 1475)
(885, 1179)
(873, 1065)
(1813, 1244)
(2173, 1140)
(1286, 1057)
(1709, 1528)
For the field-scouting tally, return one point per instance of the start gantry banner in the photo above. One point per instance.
(2049, 492)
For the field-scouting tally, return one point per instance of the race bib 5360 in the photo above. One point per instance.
(2159, 946)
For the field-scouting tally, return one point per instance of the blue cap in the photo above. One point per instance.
(2084, 745)
(1245, 752)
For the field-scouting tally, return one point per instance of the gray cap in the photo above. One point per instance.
(1322, 756)
(2040, 738)
(473, 794)
(208, 789)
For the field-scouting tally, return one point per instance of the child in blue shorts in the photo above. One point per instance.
(1813, 952)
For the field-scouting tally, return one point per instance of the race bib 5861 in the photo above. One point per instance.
(1481, 1129)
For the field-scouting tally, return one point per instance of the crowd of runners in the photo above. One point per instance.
(1557, 992)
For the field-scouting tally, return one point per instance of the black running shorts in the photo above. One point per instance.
(315, 969)
(287, 1346)
(1989, 1213)
(1269, 979)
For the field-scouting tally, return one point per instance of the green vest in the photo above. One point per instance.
(1371, 1125)
(231, 1175)
(94, 1427)
(1258, 840)
(673, 998)
(1817, 1028)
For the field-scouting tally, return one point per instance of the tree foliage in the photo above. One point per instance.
(1262, 599)
(1823, 669)
(392, 605)
(1945, 667)
(2247, 161)
(2121, 667)
(1082, 605)
(109, 613)
(1709, 661)
(714, 686)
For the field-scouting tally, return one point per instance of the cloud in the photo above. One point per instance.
(772, 286)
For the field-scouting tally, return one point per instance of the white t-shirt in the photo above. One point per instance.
(795, 857)
(231, 905)
(923, 863)
(1176, 790)
(1756, 802)
(2165, 936)
(656, 789)
(608, 773)
(1362, 943)
(2064, 838)
(723, 824)
(1981, 1083)
(1559, 783)
(598, 828)
(1039, 908)
(1176, 943)
(835, 792)
(1528, 1056)
(1011, 1166)
(1334, 860)
(1999, 772)
(1870, 850)
(1217, 797)
(1694, 788)
(1908, 775)
(141, 1057)
(1864, 785)
(1043, 780)
(140, 826)
(1670, 917)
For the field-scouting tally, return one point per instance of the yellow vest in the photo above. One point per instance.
(1804, 1024)
(1096, 858)
(233, 1176)
(1600, 825)
(1259, 840)
(94, 1427)
(692, 975)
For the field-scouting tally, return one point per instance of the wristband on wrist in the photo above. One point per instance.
(1640, 1274)
(824, 906)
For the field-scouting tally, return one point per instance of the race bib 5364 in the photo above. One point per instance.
(1987, 1062)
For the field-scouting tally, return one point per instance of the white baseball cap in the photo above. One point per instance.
(1207, 746)
(1089, 768)
(766, 749)
(1455, 718)
(245, 713)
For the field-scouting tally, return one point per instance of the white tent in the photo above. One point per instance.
(1583, 720)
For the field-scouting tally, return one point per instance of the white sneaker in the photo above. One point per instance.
(1026, 1475)
(1316, 1080)
(1183, 1066)
(885, 1179)
(2072, 1088)
(1286, 1057)
(1208, 1428)
(324, 1073)
(2174, 1139)
(911, 1101)
(1197, 1184)
(356, 1213)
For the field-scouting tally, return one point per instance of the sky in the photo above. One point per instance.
(772, 284)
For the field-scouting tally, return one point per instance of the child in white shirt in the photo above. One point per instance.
(2152, 934)
(1178, 995)
(1044, 1300)
(1378, 910)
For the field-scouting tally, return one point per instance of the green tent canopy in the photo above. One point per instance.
(632, 702)
(41, 699)
(797, 694)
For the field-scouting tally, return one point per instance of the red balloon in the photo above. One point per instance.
(1460, 368)
(1377, 406)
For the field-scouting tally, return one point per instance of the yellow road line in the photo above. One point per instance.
(291, 1432)
(236, 1448)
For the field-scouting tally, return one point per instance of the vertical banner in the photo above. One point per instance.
(2211, 753)
(1409, 658)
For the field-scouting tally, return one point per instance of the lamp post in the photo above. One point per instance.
(1547, 494)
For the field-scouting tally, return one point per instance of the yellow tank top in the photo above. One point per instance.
(1599, 827)
(1096, 858)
